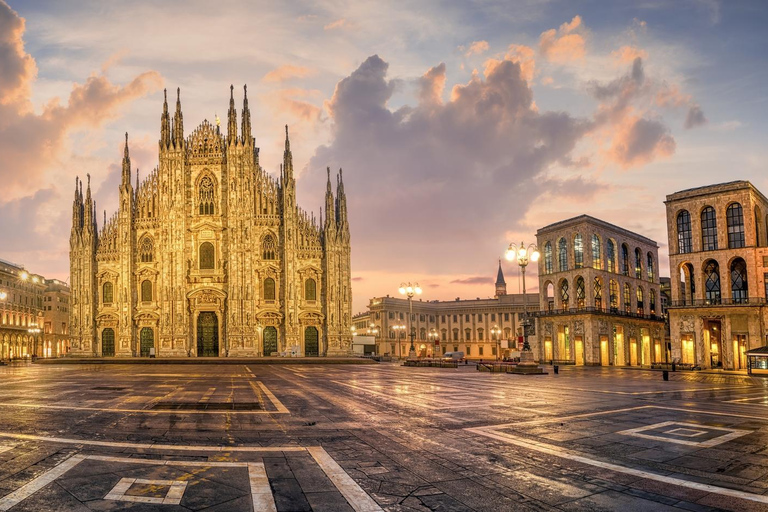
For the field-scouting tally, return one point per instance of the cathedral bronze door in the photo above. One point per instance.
(147, 338)
(108, 342)
(311, 345)
(270, 340)
(207, 334)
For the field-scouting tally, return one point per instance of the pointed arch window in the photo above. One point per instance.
(578, 251)
(712, 282)
(310, 289)
(207, 257)
(564, 296)
(598, 292)
(627, 298)
(268, 248)
(652, 300)
(269, 289)
(146, 291)
(649, 267)
(146, 250)
(708, 229)
(107, 293)
(684, 244)
(638, 263)
(611, 256)
(739, 289)
(562, 255)
(581, 294)
(613, 290)
(206, 196)
(640, 301)
(548, 258)
(597, 255)
(734, 218)
(624, 259)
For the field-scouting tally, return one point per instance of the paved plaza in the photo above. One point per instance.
(378, 437)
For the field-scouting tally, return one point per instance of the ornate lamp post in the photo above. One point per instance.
(496, 332)
(433, 337)
(522, 254)
(409, 290)
(399, 331)
(34, 331)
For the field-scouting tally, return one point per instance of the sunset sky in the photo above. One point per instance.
(460, 126)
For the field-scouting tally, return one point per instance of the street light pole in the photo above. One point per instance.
(409, 290)
(522, 254)
(496, 332)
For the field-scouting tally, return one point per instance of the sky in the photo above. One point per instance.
(461, 126)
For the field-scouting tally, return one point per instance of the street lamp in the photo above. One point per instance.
(34, 331)
(399, 331)
(496, 332)
(522, 254)
(433, 337)
(409, 290)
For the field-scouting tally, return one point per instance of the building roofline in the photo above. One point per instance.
(706, 190)
(594, 220)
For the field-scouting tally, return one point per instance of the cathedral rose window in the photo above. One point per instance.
(207, 196)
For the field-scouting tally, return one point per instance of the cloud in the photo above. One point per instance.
(473, 280)
(565, 44)
(287, 72)
(627, 54)
(639, 141)
(17, 68)
(432, 84)
(476, 48)
(341, 22)
(523, 55)
(695, 117)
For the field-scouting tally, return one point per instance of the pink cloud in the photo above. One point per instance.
(627, 54)
(476, 48)
(341, 22)
(287, 72)
(563, 45)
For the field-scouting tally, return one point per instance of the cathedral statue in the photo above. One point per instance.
(177, 230)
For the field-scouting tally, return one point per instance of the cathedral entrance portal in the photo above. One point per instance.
(270, 341)
(311, 346)
(207, 334)
(147, 337)
(108, 342)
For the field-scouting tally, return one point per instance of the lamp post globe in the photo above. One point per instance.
(409, 290)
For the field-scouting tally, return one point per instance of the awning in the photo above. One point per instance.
(759, 351)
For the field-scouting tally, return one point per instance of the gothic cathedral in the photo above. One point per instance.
(210, 256)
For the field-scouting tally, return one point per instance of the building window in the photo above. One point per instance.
(444, 335)
(480, 351)
(423, 334)
(638, 264)
(146, 291)
(640, 301)
(649, 269)
(146, 250)
(624, 259)
(765, 279)
(107, 293)
(708, 229)
(466, 318)
(207, 259)
(467, 334)
(506, 317)
(269, 289)
(627, 298)
(480, 334)
(310, 289)
(598, 293)
(597, 258)
(564, 293)
(581, 294)
(469, 350)
(493, 317)
(548, 258)
(712, 282)
(684, 244)
(734, 218)
(268, 248)
(480, 317)
(206, 196)
(652, 300)
(455, 335)
(562, 255)
(739, 290)
(611, 256)
(455, 318)
(578, 252)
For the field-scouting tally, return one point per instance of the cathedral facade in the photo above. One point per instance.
(210, 256)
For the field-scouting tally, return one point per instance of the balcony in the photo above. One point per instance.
(723, 301)
(598, 311)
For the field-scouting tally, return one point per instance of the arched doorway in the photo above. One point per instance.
(108, 342)
(207, 334)
(270, 340)
(311, 345)
(147, 339)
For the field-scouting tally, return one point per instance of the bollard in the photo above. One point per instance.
(557, 369)
(665, 375)
(673, 366)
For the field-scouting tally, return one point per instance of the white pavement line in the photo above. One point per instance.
(272, 398)
(158, 462)
(562, 418)
(137, 411)
(356, 496)
(715, 413)
(151, 446)
(261, 492)
(636, 393)
(557, 451)
(25, 491)
(732, 434)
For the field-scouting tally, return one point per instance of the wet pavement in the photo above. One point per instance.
(378, 437)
